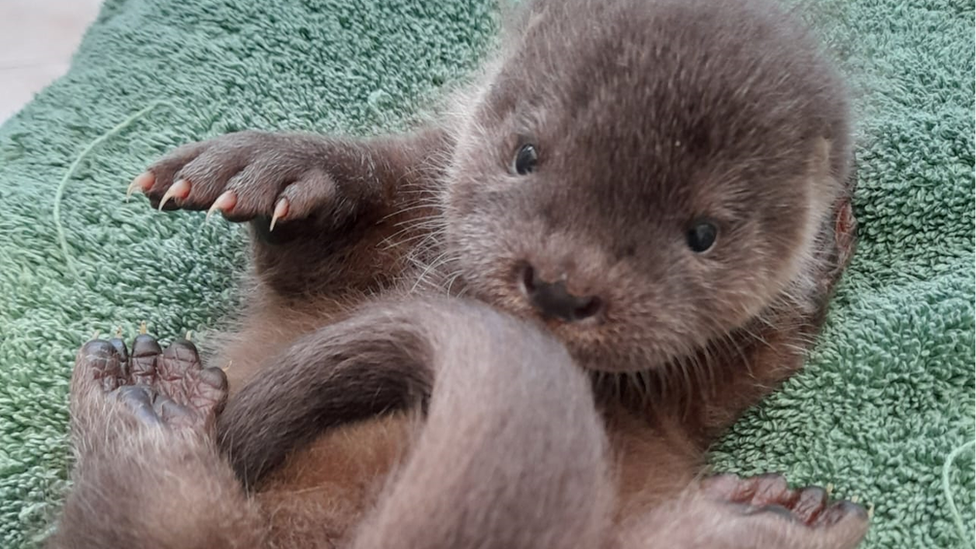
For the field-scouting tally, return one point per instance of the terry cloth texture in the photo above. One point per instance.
(886, 398)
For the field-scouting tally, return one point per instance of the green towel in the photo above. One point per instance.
(886, 399)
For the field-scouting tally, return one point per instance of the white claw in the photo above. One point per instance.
(213, 208)
(132, 188)
(225, 202)
(142, 182)
(280, 211)
(180, 189)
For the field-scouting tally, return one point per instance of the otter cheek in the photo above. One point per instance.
(461, 199)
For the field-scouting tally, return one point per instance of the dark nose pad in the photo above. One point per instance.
(553, 300)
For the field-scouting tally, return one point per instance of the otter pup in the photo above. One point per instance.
(662, 184)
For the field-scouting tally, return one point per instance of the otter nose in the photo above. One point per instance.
(553, 300)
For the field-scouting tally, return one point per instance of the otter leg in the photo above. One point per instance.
(326, 213)
(147, 472)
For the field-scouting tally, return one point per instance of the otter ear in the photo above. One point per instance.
(820, 170)
(821, 156)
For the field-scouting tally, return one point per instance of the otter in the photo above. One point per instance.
(661, 185)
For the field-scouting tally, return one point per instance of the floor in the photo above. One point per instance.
(37, 38)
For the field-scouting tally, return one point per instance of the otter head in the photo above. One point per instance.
(646, 176)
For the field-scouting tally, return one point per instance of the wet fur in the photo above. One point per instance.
(647, 115)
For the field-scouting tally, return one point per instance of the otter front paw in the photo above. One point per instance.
(245, 176)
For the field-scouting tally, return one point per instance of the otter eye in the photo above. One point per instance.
(525, 159)
(701, 236)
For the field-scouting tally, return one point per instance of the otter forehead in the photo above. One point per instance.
(662, 91)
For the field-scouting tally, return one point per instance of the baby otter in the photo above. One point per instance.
(661, 184)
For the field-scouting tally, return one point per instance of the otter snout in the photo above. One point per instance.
(553, 299)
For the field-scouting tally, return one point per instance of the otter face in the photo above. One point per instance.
(646, 179)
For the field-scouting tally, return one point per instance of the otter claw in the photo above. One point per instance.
(142, 182)
(224, 203)
(180, 189)
(280, 211)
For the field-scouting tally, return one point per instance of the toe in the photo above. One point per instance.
(845, 233)
(210, 175)
(208, 392)
(122, 350)
(844, 225)
(772, 489)
(842, 525)
(97, 366)
(163, 172)
(176, 369)
(142, 363)
(256, 187)
(306, 195)
(809, 504)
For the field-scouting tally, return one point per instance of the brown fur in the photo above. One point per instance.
(647, 115)
(146, 477)
(320, 494)
(512, 454)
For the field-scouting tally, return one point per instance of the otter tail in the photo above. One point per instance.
(512, 453)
